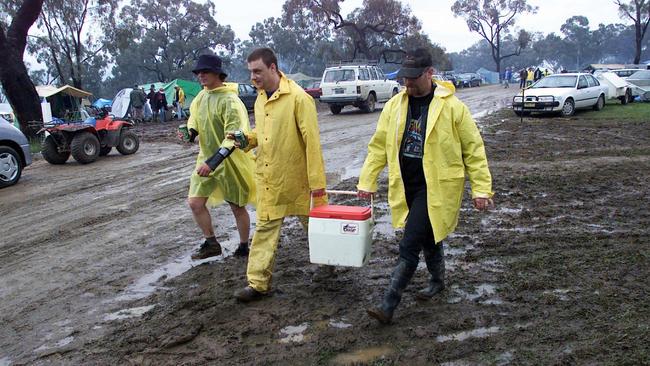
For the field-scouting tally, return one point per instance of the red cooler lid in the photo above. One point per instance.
(341, 212)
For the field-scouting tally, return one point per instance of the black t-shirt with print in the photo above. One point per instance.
(412, 147)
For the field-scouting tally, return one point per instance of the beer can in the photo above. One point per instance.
(241, 138)
(185, 132)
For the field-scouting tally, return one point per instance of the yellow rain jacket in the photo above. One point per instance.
(289, 161)
(181, 95)
(452, 147)
(213, 112)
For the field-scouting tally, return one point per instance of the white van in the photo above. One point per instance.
(360, 85)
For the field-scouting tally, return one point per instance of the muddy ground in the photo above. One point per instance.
(95, 269)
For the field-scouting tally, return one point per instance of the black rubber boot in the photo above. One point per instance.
(399, 280)
(435, 260)
(242, 250)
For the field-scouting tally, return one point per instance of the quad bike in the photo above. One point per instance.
(86, 141)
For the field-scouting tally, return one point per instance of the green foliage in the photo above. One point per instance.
(161, 41)
(492, 19)
(367, 32)
(75, 53)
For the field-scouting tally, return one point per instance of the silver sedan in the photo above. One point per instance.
(563, 93)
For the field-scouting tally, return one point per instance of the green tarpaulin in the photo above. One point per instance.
(191, 89)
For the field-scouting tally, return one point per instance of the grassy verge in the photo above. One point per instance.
(637, 112)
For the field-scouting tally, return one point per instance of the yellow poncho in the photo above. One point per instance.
(212, 113)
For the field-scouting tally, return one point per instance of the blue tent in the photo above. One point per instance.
(490, 77)
(392, 75)
(101, 103)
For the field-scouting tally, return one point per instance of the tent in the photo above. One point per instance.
(121, 101)
(490, 77)
(101, 103)
(62, 102)
(392, 75)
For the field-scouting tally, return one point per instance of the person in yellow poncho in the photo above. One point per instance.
(215, 110)
(429, 140)
(289, 164)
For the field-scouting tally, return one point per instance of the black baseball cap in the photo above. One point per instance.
(415, 63)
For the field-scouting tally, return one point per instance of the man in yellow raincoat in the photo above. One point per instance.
(429, 141)
(289, 164)
(215, 110)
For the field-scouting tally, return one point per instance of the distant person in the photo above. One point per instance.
(179, 101)
(538, 75)
(138, 99)
(289, 164)
(507, 77)
(530, 77)
(215, 110)
(426, 173)
(151, 97)
(160, 104)
(523, 74)
(546, 73)
(147, 106)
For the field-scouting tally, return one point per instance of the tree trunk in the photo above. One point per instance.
(19, 88)
(638, 43)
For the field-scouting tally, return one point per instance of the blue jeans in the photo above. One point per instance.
(179, 111)
(162, 113)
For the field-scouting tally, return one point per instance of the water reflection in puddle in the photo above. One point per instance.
(293, 333)
(362, 356)
(128, 313)
(147, 284)
(341, 324)
(474, 333)
(482, 290)
(64, 342)
(561, 293)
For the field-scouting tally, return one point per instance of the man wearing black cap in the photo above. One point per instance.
(151, 96)
(215, 110)
(429, 140)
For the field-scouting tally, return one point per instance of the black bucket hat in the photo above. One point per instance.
(210, 63)
(415, 63)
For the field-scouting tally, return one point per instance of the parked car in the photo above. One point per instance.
(14, 153)
(360, 85)
(248, 94)
(440, 77)
(314, 90)
(468, 79)
(562, 93)
(451, 76)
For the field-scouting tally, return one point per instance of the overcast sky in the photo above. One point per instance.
(436, 16)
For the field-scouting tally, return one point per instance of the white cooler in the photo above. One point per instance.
(340, 235)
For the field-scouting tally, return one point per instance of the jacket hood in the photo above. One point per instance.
(444, 88)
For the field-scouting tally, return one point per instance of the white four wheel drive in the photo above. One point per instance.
(361, 85)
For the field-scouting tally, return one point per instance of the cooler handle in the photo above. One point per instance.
(349, 193)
